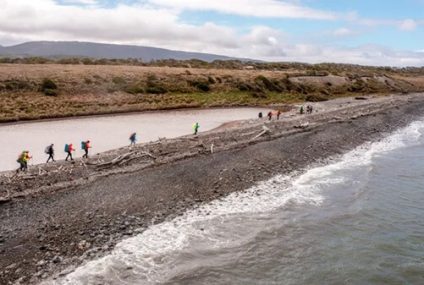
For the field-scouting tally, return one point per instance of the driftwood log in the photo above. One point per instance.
(266, 130)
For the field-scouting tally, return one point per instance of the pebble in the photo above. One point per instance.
(57, 259)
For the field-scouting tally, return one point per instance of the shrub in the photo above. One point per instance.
(268, 84)
(259, 95)
(48, 87)
(155, 90)
(201, 85)
(211, 80)
(244, 86)
(50, 92)
(48, 84)
(16, 85)
(88, 81)
(119, 80)
(134, 89)
(315, 98)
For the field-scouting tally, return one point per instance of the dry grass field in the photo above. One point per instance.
(36, 91)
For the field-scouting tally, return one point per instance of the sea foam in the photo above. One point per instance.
(152, 256)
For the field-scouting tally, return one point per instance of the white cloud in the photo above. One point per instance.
(80, 2)
(404, 25)
(364, 55)
(140, 24)
(161, 26)
(255, 8)
(343, 32)
(408, 25)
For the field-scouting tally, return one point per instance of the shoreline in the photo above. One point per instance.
(132, 112)
(68, 222)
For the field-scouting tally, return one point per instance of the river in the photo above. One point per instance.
(108, 132)
(358, 219)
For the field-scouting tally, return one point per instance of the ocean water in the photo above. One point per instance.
(357, 219)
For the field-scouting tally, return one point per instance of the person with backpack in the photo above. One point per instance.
(269, 116)
(196, 127)
(85, 145)
(133, 138)
(69, 148)
(50, 151)
(23, 159)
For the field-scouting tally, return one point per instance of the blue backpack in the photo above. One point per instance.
(66, 147)
(83, 145)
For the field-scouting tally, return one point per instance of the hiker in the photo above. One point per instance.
(85, 146)
(196, 127)
(133, 138)
(310, 109)
(301, 110)
(278, 114)
(269, 115)
(23, 161)
(50, 151)
(69, 148)
(260, 115)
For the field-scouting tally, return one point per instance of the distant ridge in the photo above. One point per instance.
(64, 49)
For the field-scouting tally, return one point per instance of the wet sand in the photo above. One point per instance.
(55, 220)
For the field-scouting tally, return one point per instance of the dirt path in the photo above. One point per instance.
(82, 214)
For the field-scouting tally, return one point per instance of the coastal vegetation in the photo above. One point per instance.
(72, 87)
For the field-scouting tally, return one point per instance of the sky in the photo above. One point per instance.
(367, 32)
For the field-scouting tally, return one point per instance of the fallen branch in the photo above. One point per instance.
(301, 126)
(266, 130)
(116, 160)
(149, 154)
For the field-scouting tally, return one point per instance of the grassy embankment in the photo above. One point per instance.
(51, 90)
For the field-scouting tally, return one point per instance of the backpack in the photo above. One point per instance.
(66, 147)
(20, 158)
(83, 145)
(47, 150)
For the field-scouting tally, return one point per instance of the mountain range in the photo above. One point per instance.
(50, 49)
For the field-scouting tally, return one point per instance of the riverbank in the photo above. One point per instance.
(60, 215)
(48, 91)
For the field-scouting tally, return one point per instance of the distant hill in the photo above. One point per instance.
(96, 50)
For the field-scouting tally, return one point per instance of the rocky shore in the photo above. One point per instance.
(57, 216)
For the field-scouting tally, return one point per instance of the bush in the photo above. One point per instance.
(48, 84)
(135, 89)
(244, 87)
(48, 87)
(119, 80)
(88, 81)
(156, 90)
(315, 98)
(201, 85)
(16, 85)
(259, 95)
(268, 84)
(50, 92)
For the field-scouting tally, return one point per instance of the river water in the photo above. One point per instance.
(359, 219)
(108, 132)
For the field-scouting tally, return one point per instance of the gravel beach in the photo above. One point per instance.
(59, 215)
